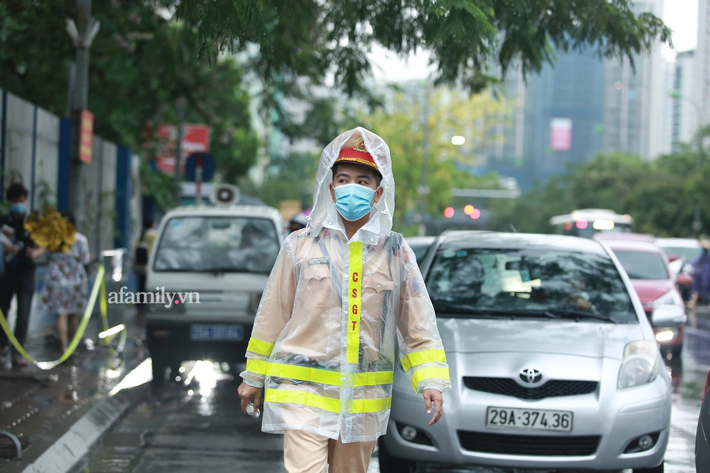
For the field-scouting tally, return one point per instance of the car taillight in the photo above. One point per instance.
(707, 385)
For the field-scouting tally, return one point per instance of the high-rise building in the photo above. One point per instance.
(686, 110)
(633, 117)
(668, 104)
(564, 114)
(702, 58)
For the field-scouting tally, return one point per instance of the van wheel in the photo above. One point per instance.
(658, 469)
(159, 366)
(390, 464)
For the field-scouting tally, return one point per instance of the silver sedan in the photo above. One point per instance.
(553, 361)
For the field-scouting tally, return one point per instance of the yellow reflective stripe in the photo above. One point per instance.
(331, 378)
(283, 396)
(374, 378)
(360, 406)
(431, 372)
(354, 301)
(262, 348)
(425, 356)
(303, 373)
(257, 366)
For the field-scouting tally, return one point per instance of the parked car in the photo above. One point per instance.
(682, 253)
(702, 436)
(648, 267)
(552, 361)
(220, 256)
(420, 245)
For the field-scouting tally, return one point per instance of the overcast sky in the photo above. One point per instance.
(680, 15)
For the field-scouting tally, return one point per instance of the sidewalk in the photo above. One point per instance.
(34, 403)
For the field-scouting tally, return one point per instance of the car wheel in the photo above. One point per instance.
(658, 469)
(159, 366)
(390, 464)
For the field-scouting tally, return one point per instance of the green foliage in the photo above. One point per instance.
(160, 186)
(293, 181)
(451, 112)
(661, 195)
(140, 65)
(310, 38)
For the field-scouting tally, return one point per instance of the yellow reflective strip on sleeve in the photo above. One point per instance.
(374, 378)
(257, 366)
(363, 406)
(431, 372)
(304, 373)
(262, 348)
(354, 301)
(425, 356)
(284, 396)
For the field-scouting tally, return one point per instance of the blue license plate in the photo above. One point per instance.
(217, 332)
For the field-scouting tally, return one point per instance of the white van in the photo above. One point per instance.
(208, 269)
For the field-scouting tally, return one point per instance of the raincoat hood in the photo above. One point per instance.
(322, 200)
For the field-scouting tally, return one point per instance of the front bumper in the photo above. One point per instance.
(617, 422)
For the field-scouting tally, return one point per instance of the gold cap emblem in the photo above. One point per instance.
(360, 146)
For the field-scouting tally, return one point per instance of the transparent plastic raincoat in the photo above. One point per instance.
(323, 343)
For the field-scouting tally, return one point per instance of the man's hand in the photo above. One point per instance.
(12, 249)
(249, 393)
(432, 396)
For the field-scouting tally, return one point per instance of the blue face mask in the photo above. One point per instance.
(18, 209)
(353, 201)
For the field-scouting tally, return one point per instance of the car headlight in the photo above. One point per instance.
(670, 298)
(641, 364)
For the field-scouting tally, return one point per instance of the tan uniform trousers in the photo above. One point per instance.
(305, 452)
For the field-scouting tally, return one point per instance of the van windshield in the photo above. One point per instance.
(217, 245)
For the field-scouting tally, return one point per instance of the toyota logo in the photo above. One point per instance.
(530, 375)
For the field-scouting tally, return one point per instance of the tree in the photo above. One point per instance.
(140, 64)
(659, 195)
(451, 112)
(310, 38)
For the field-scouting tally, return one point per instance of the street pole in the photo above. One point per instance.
(423, 188)
(82, 33)
(181, 103)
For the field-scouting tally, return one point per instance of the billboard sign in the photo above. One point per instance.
(195, 139)
(86, 136)
(561, 134)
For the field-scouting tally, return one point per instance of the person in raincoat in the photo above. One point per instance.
(340, 293)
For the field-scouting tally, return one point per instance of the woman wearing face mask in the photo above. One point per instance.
(19, 277)
(341, 291)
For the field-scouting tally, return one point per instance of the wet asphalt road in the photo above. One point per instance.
(196, 425)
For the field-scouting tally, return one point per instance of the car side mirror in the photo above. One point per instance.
(672, 258)
(668, 316)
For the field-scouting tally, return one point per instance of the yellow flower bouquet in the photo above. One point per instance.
(51, 231)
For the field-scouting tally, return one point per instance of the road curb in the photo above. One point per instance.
(64, 446)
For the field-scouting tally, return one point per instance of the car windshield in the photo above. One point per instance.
(539, 282)
(217, 244)
(642, 264)
(684, 253)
